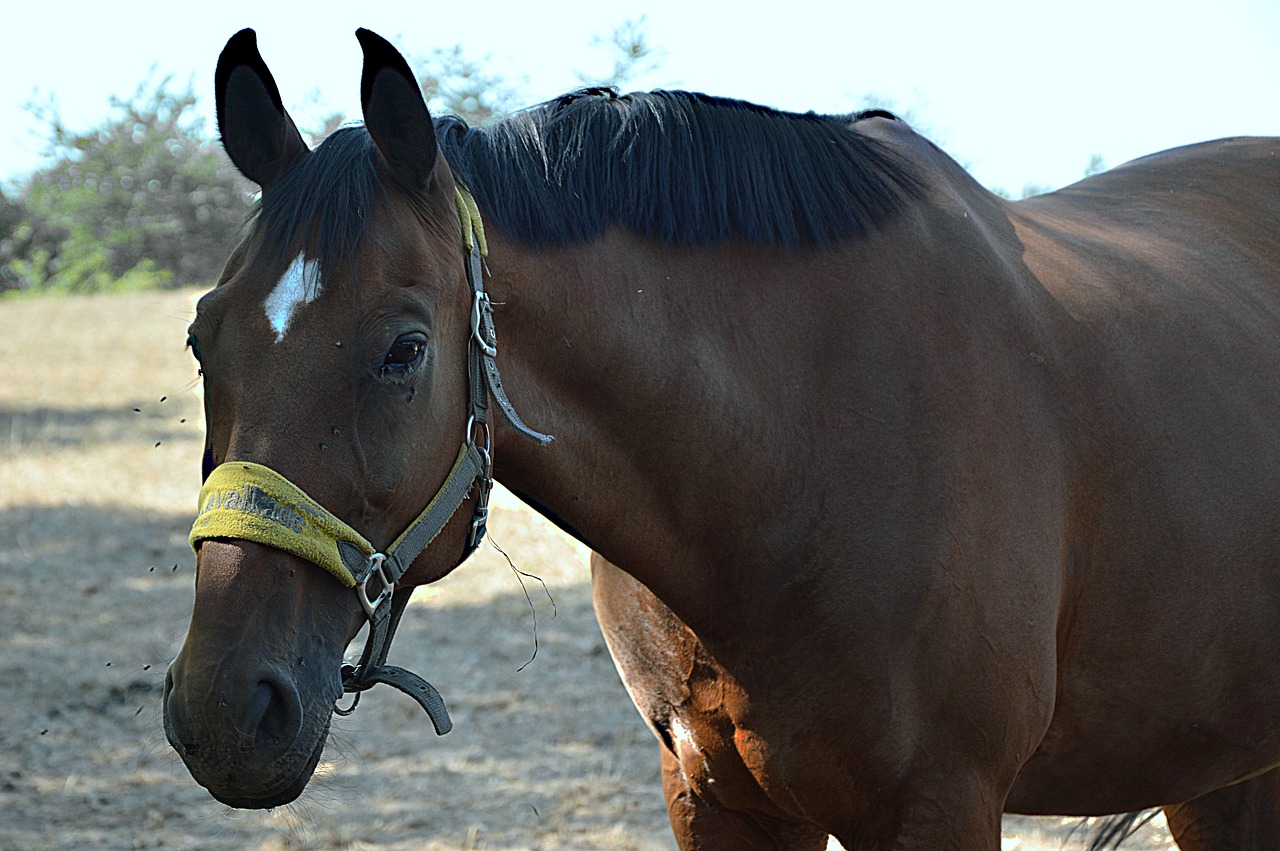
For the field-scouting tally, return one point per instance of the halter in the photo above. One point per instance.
(246, 501)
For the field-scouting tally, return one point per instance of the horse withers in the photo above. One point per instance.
(913, 505)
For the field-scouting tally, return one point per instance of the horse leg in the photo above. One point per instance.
(952, 814)
(703, 825)
(1246, 815)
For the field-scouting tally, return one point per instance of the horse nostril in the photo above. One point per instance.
(279, 712)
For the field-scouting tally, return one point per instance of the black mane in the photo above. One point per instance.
(324, 203)
(676, 167)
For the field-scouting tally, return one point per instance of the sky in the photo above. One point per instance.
(1020, 92)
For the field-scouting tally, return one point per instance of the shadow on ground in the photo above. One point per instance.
(44, 428)
(95, 603)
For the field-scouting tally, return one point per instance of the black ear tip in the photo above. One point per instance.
(241, 49)
(246, 39)
(379, 55)
(370, 39)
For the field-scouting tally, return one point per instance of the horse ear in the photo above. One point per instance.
(395, 114)
(257, 133)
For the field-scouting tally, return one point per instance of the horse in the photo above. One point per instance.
(912, 505)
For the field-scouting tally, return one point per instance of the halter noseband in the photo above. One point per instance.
(246, 501)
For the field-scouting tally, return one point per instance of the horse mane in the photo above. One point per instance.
(324, 203)
(676, 167)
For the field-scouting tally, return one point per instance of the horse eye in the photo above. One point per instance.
(404, 354)
(194, 345)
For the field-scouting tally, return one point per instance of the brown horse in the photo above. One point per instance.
(925, 505)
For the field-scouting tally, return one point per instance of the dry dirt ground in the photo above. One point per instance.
(100, 443)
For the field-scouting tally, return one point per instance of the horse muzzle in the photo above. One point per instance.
(248, 700)
(248, 740)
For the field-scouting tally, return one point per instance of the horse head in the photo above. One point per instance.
(335, 354)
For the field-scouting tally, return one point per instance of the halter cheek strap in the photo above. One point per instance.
(245, 501)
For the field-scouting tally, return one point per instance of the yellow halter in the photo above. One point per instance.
(250, 502)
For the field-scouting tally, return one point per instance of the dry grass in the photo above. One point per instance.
(100, 441)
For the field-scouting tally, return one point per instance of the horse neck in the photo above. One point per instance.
(632, 355)
(693, 391)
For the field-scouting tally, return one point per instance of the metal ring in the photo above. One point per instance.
(337, 710)
(470, 431)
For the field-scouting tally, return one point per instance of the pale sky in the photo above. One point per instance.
(1019, 91)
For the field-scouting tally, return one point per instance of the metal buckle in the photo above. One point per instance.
(480, 296)
(480, 517)
(376, 562)
(483, 483)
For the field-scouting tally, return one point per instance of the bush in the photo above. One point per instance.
(146, 198)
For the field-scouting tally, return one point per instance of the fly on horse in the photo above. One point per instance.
(913, 505)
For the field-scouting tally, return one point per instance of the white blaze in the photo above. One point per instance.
(299, 285)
